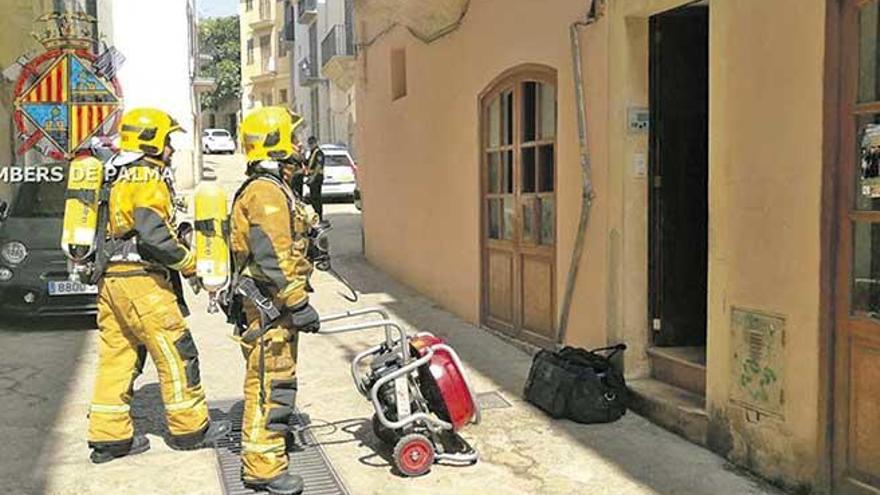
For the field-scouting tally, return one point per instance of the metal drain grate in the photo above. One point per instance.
(492, 400)
(307, 458)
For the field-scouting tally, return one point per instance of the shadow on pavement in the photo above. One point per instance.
(38, 360)
(631, 443)
(148, 411)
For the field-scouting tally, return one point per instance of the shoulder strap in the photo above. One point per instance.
(267, 177)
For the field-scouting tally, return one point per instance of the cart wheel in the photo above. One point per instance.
(414, 455)
(383, 433)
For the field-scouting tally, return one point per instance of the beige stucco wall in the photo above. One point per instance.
(419, 160)
(765, 204)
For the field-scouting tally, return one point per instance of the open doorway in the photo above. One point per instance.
(679, 161)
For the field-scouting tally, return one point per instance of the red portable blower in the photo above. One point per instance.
(419, 391)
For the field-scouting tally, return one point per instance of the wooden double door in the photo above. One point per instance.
(856, 396)
(519, 205)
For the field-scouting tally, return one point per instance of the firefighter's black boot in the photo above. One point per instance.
(286, 484)
(139, 445)
(216, 431)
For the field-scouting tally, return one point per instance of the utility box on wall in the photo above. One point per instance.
(757, 345)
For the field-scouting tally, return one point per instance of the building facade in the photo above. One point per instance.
(719, 157)
(266, 60)
(325, 69)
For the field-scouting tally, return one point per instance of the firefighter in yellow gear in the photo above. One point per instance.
(139, 310)
(269, 241)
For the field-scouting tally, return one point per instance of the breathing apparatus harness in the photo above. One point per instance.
(125, 248)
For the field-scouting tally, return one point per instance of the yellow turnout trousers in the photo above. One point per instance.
(138, 314)
(269, 399)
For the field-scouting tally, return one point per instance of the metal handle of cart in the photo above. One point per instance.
(390, 342)
(354, 328)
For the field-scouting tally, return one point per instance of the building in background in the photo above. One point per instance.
(734, 251)
(266, 60)
(326, 70)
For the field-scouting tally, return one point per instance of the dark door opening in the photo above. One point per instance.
(679, 161)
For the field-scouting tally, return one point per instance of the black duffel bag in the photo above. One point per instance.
(577, 384)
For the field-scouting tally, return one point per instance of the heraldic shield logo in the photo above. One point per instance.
(69, 94)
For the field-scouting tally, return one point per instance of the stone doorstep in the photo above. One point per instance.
(683, 367)
(678, 410)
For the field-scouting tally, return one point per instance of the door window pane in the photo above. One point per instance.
(546, 170)
(866, 269)
(529, 112)
(867, 194)
(548, 221)
(508, 172)
(494, 173)
(507, 117)
(494, 219)
(494, 122)
(868, 54)
(530, 223)
(509, 214)
(528, 170)
(548, 111)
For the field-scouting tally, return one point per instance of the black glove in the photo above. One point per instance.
(304, 318)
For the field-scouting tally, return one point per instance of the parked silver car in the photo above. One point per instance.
(340, 175)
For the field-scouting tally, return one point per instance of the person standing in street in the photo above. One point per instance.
(139, 309)
(298, 181)
(269, 242)
(315, 173)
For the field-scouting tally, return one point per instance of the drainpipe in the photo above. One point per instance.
(587, 194)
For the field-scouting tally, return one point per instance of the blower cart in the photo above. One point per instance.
(419, 391)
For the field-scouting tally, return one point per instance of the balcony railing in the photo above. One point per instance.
(308, 72)
(337, 43)
(307, 11)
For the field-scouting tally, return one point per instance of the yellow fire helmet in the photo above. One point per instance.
(144, 130)
(268, 133)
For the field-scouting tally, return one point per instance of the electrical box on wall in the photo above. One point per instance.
(637, 120)
(757, 361)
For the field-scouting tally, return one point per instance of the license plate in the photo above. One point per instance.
(68, 288)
